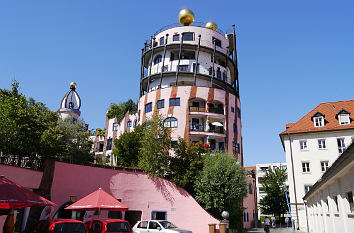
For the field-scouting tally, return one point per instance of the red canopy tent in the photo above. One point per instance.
(98, 200)
(14, 196)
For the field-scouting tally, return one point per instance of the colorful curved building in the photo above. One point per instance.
(189, 75)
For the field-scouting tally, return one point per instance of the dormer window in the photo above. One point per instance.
(318, 119)
(343, 117)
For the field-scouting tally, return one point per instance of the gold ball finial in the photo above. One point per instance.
(212, 26)
(73, 85)
(186, 17)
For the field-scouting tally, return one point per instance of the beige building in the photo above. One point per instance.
(311, 145)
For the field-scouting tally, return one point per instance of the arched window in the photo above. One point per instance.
(170, 122)
(158, 59)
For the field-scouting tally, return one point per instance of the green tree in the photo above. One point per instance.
(155, 145)
(127, 147)
(22, 122)
(68, 140)
(222, 186)
(275, 200)
(119, 110)
(186, 164)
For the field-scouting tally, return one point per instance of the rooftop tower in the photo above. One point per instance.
(70, 104)
(189, 74)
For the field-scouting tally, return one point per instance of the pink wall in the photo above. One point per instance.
(25, 177)
(249, 204)
(136, 190)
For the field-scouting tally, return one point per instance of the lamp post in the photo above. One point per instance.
(225, 215)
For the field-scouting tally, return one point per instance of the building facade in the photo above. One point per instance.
(261, 171)
(329, 203)
(311, 145)
(189, 75)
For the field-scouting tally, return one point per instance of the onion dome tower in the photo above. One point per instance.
(70, 104)
(189, 75)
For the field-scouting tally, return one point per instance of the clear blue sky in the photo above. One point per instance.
(293, 55)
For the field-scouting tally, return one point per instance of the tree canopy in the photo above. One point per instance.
(119, 110)
(275, 200)
(221, 186)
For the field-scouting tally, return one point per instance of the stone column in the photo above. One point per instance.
(212, 227)
(222, 227)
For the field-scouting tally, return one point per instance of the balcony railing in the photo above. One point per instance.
(201, 128)
(216, 110)
(197, 109)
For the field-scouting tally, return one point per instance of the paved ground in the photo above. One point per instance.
(275, 230)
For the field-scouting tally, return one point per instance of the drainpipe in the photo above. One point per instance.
(213, 69)
(226, 61)
(142, 73)
(179, 57)
(292, 167)
(151, 61)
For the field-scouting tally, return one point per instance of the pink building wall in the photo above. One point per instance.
(249, 204)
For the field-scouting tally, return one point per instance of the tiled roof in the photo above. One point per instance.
(330, 111)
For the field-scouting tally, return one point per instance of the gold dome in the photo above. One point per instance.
(186, 17)
(73, 85)
(212, 26)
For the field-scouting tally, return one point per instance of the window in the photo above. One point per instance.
(183, 68)
(305, 166)
(232, 109)
(341, 145)
(162, 40)
(129, 124)
(157, 59)
(218, 73)
(307, 188)
(188, 55)
(158, 215)
(350, 200)
(170, 122)
(148, 107)
(172, 56)
(318, 121)
(248, 217)
(344, 119)
(100, 147)
(135, 123)
(238, 112)
(303, 145)
(175, 37)
(175, 101)
(160, 104)
(324, 166)
(335, 199)
(188, 36)
(109, 144)
(143, 224)
(165, 68)
(174, 144)
(217, 42)
(115, 126)
(321, 143)
(250, 189)
(235, 127)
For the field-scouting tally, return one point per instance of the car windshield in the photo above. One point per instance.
(118, 227)
(167, 224)
(70, 228)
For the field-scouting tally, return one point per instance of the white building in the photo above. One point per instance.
(311, 145)
(261, 170)
(329, 203)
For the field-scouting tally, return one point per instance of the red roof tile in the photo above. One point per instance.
(330, 111)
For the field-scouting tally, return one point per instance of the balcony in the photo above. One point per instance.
(216, 110)
(197, 109)
(212, 129)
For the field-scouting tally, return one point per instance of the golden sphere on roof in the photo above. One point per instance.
(186, 17)
(73, 85)
(212, 26)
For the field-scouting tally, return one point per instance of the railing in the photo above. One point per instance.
(217, 129)
(197, 128)
(26, 162)
(197, 109)
(216, 110)
(197, 24)
(212, 129)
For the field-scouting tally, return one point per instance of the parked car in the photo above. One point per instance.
(59, 226)
(105, 225)
(161, 226)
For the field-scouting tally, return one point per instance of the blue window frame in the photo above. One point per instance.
(129, 124)
(232, 109)
(170, 122)
(160, 104)
(175, 101)
(148, 107)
